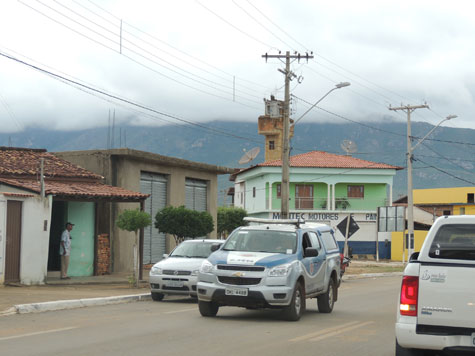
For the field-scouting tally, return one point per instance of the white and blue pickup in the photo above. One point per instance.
(272, 264)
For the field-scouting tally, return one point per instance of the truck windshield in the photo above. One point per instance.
(454, 241)
(196, 249)
(262, 241)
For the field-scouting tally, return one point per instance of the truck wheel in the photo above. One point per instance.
(208, 308)
(327, 300)
(157, 296)
(402, 351)
(297, 305)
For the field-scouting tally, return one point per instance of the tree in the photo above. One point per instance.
(133, 221)
(230, 218)
(183, 223)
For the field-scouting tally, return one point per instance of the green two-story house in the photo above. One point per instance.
(324, 187)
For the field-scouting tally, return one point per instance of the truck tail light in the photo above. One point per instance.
(409, 294)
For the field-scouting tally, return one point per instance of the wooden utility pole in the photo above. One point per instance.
(289, 75)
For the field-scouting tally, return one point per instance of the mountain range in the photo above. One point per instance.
(444, 159)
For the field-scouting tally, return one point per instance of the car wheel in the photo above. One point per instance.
(208, 308)
(327, 300)
(402, 351)
(157, 296)
(297, 304)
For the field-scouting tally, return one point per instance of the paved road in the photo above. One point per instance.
(362, 323)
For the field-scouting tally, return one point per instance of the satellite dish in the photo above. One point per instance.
(248, 156)
(348, 146)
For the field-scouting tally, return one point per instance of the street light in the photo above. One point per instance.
(337, 86)
(284, 209)
(410, 201)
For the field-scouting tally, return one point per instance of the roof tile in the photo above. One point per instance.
(321, 159)
(24, 162)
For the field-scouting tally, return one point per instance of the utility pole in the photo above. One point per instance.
(289, 75)
(408, 109)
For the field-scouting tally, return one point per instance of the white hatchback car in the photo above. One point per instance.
(177, 273)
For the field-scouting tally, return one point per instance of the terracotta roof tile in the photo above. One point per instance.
(24, 162)
(320, 159)
(86, 190)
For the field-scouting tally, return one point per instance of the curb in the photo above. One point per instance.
(371, 275)
(75, 303)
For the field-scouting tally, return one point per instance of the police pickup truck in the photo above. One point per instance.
(272, 264)
(437, 301)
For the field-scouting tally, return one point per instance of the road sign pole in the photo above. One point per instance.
(345, 248)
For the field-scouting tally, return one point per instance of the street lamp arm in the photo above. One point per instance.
(436, 126)
(338, 86)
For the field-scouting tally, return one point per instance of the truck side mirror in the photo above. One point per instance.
(215, 247)
(311, 252)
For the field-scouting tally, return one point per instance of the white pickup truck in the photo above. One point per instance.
(436, 309)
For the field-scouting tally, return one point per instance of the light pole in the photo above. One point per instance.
(410, 149)
(410, 201)
(337, 86)
(285, 185)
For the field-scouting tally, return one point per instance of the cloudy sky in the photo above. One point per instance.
(64, 63)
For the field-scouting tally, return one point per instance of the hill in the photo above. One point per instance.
(445, 159)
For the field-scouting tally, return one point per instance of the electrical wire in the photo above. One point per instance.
(447, 173)
(167, 44)
(136, 53)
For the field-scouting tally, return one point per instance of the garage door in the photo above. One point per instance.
(196, 194)
(154, 242)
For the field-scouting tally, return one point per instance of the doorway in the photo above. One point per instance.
(13, 241)
(58, 219)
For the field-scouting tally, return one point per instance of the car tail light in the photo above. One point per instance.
(409, 294)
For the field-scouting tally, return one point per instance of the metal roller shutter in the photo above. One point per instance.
(196, 195)
(154, 242)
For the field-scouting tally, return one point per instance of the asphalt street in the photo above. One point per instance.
(362, 323)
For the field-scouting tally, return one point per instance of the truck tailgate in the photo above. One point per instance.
(447, 295)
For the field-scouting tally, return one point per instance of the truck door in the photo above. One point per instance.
(312, 265)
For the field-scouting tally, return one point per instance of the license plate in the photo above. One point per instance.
(236, 291)
(176, 284)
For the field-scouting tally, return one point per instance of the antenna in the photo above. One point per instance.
(248, 156)
(348, 146)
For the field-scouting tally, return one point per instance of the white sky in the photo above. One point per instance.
(181, 57)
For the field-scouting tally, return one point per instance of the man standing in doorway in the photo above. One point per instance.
(65, 250)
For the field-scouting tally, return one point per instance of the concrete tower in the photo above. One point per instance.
(271, 126)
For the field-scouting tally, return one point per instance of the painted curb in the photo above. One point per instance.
(78, 303)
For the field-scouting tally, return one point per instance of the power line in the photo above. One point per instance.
(128, 101)
(260, 24)
(447, 173)
(235, 27)
(169, 45)
(136, 53)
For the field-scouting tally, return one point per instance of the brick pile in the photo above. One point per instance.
(103, 254)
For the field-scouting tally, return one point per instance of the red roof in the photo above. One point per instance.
(25, 162)
(320, 159)
(74, 189)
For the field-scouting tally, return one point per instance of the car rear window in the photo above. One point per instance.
(329, 241)
(454, 241)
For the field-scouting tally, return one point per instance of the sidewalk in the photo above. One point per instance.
(115, 288)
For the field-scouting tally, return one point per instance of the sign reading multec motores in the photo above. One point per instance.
(391, 218)
(351, 229)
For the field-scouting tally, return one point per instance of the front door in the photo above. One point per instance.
(13, 240)
(81, 262)
(303, 196)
